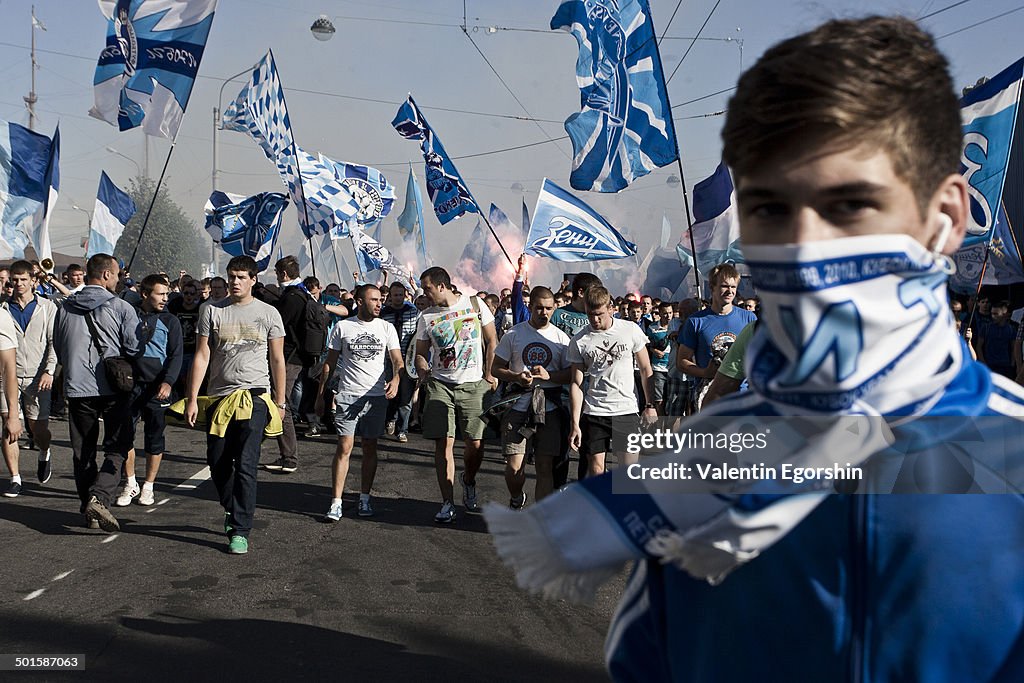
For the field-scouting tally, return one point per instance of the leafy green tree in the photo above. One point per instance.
(171, 242)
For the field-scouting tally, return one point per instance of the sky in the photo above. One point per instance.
(343, 93)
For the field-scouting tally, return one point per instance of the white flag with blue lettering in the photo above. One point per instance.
(566, 229)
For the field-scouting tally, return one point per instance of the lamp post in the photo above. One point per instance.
(215, 174)
(88, 214)
(138, 169)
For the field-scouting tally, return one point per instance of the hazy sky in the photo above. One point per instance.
(342, 94)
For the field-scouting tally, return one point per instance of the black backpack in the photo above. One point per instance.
(312, 328)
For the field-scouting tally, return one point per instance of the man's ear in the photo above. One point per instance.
(948, 215)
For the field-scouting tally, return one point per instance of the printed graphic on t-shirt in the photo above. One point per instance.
(237, 338)
(605, 355)
(721, 344)
(536, 353)
(366, 346)
(457, 336)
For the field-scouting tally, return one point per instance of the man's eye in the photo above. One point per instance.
(850, 207)
(766, 210)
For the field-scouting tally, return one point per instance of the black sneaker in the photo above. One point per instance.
(274, 466)
(13, 490)
(518, 503)
(43, 471)
(288, 466)
(96, 510)
(313, 432)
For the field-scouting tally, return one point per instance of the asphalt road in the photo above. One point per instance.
(395, 596)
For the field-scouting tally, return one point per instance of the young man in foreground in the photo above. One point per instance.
(845, 144)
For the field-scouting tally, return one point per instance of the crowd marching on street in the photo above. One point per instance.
(546, 373)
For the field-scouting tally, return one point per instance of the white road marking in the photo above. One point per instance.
(62, 575)
(192, 482)
(34, 594)
(110, 538)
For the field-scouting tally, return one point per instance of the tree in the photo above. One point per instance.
(172, 242)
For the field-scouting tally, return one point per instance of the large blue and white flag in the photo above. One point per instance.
(146, 71)
(373, 255)
(40, 231)
(24, 187)
(448, 192)
(260, 110)
(114, 208)
(410, 222)
(625, 128)
(246, 226)
(716, 226)
(371, 191)
(566, 229)
(988, 115)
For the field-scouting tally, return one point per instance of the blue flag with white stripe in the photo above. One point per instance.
(368, 187)
(246, 226)
(716, 225)
(39, 233)
(625, 128)
(988, 115)
(24, 186)
(410, 222)
(146, 71)
(448, 192)
(114, 208)
(566, 229)
(373, 255)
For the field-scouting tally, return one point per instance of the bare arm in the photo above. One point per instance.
(337, 309)
(686, 364)
(643, 362)
(422, 361)
(397, 363)
(721, 385)
(12, 423)
(490, 344)
(576, 405)
(499, 370)
(277, 371)
(200, 362)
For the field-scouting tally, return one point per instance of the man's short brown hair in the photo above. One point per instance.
(877, 80)
(723, 271)
(596, 297)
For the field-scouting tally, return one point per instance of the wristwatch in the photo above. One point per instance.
(281, 405)
(649, 405)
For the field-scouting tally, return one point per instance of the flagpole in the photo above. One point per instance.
(355, 253)
(305, 209)
(152, 202)
(337, 266)
(679, 154)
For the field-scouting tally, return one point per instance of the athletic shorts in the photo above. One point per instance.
(658, 381)
(363, 416)
(35, 404)
(547, 439)
(598, 430)
(451, 409)
(151, 410)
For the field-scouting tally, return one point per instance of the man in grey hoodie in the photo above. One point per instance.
(89, 395)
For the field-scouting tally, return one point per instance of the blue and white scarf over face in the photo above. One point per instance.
(856, 327)
(858, 321)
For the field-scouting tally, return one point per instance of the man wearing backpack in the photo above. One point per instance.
(305, 325)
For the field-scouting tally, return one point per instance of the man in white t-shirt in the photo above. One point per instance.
(355, 353)
(604, 352)
(455, 344)
(532, 355)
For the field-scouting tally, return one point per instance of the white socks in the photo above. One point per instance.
(335, 501)
(16, 479)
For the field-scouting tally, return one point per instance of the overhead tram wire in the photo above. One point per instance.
(979, 23)
(693, 42)
(670, 20)
(940, 11)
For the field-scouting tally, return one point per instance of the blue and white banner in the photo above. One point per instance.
(988, 114)
(448, 192)
(373, 255)
(716, 227)
(566, 229)
(246, 226)
(114, 208)
(260, 110)
(24, 187)
(371, 191)
(625, 128)
(146, 71)
(410, 222)
(40, 231)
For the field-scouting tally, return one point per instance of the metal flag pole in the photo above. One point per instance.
(152, 202)
(679, 155)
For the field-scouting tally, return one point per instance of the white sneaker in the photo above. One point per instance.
(127, 494)
(389, 428)
(146, 497)
(334, 514)
(447, 513)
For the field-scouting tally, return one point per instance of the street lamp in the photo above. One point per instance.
(125, 156)
(88, 234)
(322, 29)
